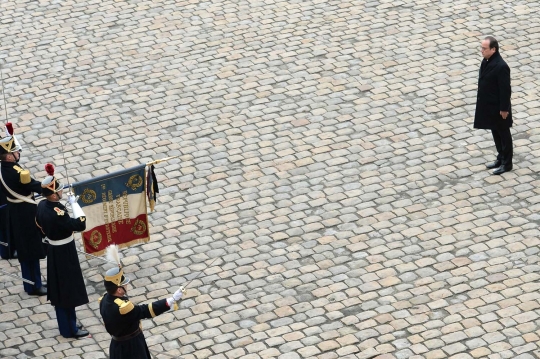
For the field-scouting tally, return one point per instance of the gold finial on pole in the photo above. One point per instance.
(161, 160)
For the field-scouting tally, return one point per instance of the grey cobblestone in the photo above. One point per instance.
(326, 155)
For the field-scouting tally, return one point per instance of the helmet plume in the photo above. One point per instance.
(111, 253)
(9, 128)
(49, 168)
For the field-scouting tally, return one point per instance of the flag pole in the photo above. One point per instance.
(161, 160)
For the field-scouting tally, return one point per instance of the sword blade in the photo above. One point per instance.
(64, 157)
(4, 93)
(16, 276)
(40, 197)
(93, 256)
(47, 240)
(201, 272)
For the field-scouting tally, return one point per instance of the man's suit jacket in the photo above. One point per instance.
(493, 94)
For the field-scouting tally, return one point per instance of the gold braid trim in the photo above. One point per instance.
(151, 309)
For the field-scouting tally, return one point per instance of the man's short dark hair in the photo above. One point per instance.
(111, 291)
(493, 43)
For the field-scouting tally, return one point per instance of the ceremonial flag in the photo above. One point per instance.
(115, 209)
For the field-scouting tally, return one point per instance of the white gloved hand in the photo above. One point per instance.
(77, 210)
(176, 296)
(72, 199)
(179, 293)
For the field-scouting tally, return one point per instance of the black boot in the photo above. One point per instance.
(81, 333)
(39, 292)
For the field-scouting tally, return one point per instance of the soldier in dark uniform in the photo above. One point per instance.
(66, 289)
(122, 318)
(17, 225)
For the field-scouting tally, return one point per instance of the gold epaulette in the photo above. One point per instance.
(24, 175)
(124, 307)
(100, 298)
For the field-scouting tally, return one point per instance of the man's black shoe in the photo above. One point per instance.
(81, 333)
(38, 292)
(492, 165)
(502, 169)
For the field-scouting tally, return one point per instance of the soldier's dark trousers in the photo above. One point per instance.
(67, 321)
(30, 270)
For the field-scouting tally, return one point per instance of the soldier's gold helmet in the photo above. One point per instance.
(9, 143)
(50, 184)
(115, 278)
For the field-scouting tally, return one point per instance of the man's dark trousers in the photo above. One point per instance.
(503, 143)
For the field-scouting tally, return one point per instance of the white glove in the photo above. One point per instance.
(176, 296)
(72, 199)
(77, 210)
(179, 293)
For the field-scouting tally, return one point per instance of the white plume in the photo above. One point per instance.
(111, 253)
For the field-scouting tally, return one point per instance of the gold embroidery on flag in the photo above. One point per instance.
(95, 239)
(139, 227)
(88, 196)
(135, 182)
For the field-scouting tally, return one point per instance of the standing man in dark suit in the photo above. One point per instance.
(493, 108)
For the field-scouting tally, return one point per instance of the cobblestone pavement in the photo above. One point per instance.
(326, 159)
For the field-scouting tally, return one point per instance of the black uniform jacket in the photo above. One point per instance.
(122, 318)
(493, 95)
(7, 252)
(18, 225)
(65, 281)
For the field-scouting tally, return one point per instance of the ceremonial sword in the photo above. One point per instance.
(47, 240)
(39, 196)
(78, 250)
(201, 272)
(16, 276)
(4, 92)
